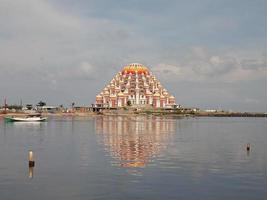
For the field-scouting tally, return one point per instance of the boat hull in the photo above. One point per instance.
(29, 119)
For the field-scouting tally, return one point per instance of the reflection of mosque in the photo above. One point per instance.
(134, 140)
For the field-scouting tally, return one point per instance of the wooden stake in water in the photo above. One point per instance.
(248, 147)
(31, 161)
(5, 106)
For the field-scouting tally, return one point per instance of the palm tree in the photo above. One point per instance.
(72, 106)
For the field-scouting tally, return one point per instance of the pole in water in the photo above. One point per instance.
(31, 161)
(5, 104)
(248, 147)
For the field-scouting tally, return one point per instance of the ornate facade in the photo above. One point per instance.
(135, 85)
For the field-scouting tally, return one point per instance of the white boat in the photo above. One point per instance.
(28, 118)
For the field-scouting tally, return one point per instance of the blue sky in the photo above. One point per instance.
(208, 53)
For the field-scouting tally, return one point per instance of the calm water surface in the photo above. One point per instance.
(110, 157)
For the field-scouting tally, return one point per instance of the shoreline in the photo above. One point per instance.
(143, 113)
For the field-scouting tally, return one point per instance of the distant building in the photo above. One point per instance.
(135, 86)
(81, 109)
(211, 110)
(50, 109)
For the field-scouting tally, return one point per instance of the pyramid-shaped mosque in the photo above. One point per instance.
(135, 85)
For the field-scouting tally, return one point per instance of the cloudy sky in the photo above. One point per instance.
(207, 53)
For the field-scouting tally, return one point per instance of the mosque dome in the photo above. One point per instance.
(120, 94)
(135, 68)
(98, 96)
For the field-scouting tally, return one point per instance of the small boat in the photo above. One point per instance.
(28, 118)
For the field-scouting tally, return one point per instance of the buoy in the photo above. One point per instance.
(31, 161)
(248, 147)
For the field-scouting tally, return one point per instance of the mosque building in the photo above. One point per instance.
(135, 86)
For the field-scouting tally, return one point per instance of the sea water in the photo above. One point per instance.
(134, 157)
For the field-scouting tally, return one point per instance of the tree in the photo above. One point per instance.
(61, 107)
(16, 107)
(29, 106)
(41, 104)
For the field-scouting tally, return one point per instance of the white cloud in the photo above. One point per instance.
(167, 70)
(199, 66)
(86, 68)
(202, 65)
(255, 63)
(251, 101)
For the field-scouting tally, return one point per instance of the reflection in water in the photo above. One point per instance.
(28, 124)
(134, 140)
(30, 172)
